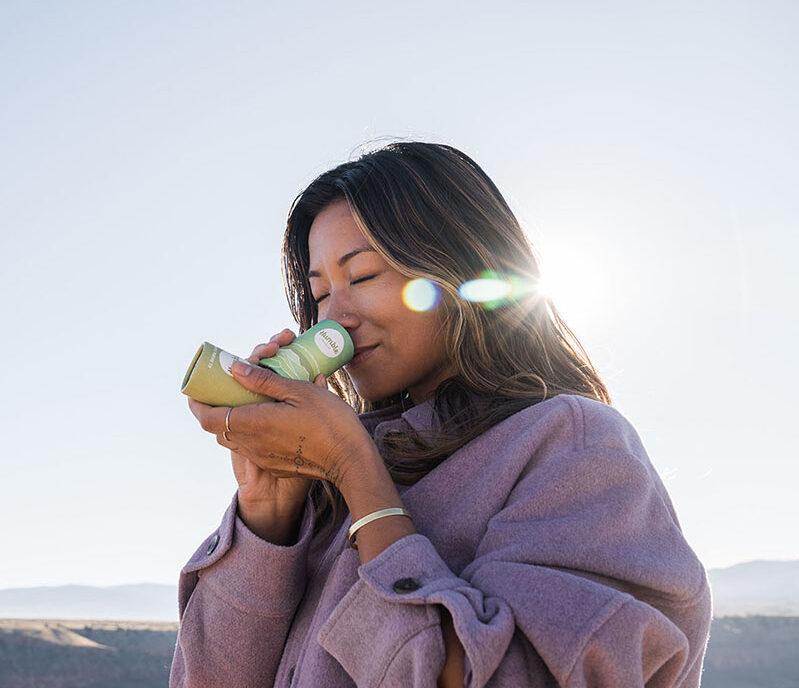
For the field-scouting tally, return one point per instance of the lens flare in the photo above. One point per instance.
(493, 289)
(420, 295)
(485, 289)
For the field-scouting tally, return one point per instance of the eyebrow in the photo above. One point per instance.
(344, 259)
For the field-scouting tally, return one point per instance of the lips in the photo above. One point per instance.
(360, 354)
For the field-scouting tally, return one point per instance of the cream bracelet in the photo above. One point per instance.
(394, 511)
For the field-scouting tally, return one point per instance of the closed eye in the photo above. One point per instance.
(362, 279)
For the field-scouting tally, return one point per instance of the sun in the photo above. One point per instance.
(579, 279)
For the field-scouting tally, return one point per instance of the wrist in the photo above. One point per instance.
(352, 458)
(366, 479)
(368, 486)
(279, 525)
(270, 507)
(369, 490)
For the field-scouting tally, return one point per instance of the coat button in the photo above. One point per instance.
(404, 585)
(213, 544)
(291, 674)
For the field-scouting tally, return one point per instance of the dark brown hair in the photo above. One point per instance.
(431, 212)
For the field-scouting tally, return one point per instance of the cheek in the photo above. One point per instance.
(424, 332)
(385, 306)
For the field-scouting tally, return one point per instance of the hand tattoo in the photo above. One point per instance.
(332, 474)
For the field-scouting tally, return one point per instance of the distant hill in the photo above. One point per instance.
(744, 652)
(85, 654)
(769, 588)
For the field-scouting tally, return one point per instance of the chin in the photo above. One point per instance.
(374, 395)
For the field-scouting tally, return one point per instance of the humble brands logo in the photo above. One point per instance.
(324, 334)
(329, 342)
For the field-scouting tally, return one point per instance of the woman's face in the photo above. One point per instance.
(364, 295)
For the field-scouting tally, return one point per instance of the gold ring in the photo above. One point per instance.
(224, 434)
(227, 421)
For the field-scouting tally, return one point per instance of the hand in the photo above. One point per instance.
(262, 490)
(306, 432)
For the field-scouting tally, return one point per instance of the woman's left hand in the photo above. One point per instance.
(307, 430)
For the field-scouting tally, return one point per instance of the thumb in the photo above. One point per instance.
(260, 380)
(321, 380)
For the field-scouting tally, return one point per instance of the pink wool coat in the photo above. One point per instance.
(550, 539)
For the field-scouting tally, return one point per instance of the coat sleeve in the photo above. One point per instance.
(583, 578)
(236, 598)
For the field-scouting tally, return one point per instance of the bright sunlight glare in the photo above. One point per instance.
(578, 280)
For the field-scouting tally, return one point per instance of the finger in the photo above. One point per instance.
(270, 348)
(265, 381)
(282, 338)
(199, 409)
(321, 380)
(212, 418)
(228, 444)
(285, 336)
(263, 351)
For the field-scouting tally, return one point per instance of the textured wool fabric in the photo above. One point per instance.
(550, 539)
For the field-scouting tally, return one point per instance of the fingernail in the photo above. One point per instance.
(242, 368)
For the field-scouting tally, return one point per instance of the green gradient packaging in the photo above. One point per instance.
(323, 348)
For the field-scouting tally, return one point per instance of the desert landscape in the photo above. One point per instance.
(54, 653)
(753, 637)
(744, 652)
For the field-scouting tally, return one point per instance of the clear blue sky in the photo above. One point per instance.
(150, 152)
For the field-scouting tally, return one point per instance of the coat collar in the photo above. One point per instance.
(419, 417)
(422, 417)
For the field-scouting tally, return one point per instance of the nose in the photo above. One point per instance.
(342, 312)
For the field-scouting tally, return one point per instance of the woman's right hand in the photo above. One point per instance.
(270, 502)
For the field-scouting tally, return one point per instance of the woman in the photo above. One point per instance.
(465, 508)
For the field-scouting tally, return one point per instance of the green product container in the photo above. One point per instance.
(323, 348)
